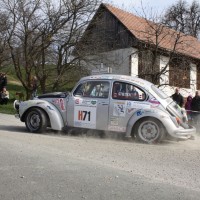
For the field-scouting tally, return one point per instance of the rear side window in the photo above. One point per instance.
(126, 91)
(93, 89)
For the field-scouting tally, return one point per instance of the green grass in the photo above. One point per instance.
(12, 88)
(7, 109)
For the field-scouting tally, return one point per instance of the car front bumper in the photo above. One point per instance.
(184, 133)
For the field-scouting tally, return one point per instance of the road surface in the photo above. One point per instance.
(49, 166)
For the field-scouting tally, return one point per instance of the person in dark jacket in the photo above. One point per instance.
(178, 98)
(188, 107)
(195, 106)
(3, 81)
(1, 76)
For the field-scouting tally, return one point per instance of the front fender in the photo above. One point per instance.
(142, 113)
(52, 112)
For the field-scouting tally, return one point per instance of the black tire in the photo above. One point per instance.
(149, 130)
(36, 120)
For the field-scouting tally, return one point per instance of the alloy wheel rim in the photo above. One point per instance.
(148, 131)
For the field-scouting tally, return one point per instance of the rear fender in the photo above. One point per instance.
(56, 120)
(144, 113)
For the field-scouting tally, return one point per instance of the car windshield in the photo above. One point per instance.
(159, 92)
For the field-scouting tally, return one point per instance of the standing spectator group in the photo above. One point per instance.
(4, 94)
(192, 105)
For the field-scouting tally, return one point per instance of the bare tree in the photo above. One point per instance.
(183, 17)
(4, 48)
(153, 47)
(42, 35)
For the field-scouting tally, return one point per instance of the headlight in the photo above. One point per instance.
(16, 105)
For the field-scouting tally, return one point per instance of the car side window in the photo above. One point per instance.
(93, 89)
(126, 91)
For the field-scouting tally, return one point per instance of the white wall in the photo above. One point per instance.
(170, 89)
(125, 62)
(134, 63)
(119, 60)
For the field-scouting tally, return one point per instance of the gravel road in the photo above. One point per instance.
(50, 166)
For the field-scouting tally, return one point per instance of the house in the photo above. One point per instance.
(135, 46)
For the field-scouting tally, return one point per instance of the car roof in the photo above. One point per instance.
(116, 77)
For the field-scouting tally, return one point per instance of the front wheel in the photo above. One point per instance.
(36, 120)
(149, 130)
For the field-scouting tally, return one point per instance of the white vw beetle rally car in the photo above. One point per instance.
(116, 103)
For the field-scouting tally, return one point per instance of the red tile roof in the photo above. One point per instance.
(140, 28)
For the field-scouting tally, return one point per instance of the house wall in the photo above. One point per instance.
(125, 62)
(122, 61)
(170, 89)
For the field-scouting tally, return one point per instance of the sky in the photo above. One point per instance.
(155, 5)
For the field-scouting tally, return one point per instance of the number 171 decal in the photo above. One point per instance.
(85, 117)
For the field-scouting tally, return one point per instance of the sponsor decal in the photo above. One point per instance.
(114, 121)
(88, 103)
(62, 104)
(117, 128)
(77, 101)
(119, 109)
(139, 113)
(130, 110)
(133, 104)
(128, 104)
(55, 101)
(154, 101)
(50, 108)
(85, 117)
(93, 102)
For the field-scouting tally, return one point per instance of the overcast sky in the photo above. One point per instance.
(155, 5)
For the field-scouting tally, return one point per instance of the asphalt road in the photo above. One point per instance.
(49, 166)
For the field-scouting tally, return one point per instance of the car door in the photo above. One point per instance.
(88, 106)
(126, 99)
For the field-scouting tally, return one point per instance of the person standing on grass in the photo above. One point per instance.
(3, 81)
(1, 76)
(34, 86)
(4, 96)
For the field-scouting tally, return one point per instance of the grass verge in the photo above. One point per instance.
(7, 109)
(12, 88)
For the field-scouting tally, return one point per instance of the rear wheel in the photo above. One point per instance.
(149, 130)
(36, 120)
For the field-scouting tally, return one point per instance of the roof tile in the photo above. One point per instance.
(140, 28)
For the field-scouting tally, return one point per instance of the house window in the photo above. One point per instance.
(179, 73)
(149, 66)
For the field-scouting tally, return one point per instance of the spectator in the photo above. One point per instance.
(178, 98)
(188, 107)
(34, 86)
(4, 96)
(3, 81)
(195, 106)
